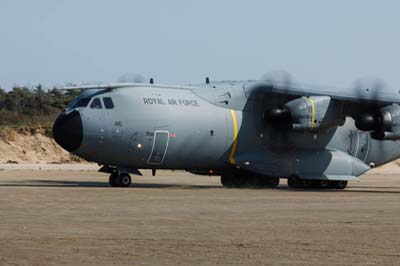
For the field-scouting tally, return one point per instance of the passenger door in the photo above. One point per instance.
(160, 147)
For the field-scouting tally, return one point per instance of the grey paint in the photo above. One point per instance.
(197, 131)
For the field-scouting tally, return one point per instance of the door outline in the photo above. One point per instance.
(154, 144)
(365, 138)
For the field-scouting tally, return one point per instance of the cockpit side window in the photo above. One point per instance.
(83, 102)
(96, 104)
(108, 103)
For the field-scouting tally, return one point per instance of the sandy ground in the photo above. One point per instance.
(60, 217)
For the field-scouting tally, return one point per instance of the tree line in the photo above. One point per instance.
(37, 105)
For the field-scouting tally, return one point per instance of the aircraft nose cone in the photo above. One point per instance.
(68, 131)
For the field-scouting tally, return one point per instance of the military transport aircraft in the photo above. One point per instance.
(251, 133)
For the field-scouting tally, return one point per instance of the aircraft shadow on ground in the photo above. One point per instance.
(94, 184)
(58, 183)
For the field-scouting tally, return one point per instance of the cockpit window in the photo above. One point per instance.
(108, 103)
(84, 99)
(82, 102)
(96, 104)
(79, 102)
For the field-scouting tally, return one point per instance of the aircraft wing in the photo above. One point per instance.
(113, 86)
(102, 86)
(347, 102)
(375, 107)
(360, 95)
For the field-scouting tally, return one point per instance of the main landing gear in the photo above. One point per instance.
(245, 180)
(297, 183)
(248, 180)
(120, 180)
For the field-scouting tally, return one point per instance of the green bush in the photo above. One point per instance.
(37, 106)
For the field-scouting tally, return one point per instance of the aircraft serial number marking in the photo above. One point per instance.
(176, 102)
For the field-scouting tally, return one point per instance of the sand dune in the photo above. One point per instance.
(31, 145)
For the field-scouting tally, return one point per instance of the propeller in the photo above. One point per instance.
(280, 79)
(371, 90)
(273, 105)
(276, 113)
(132, 78)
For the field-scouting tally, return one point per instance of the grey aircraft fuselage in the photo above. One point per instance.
(209, 129)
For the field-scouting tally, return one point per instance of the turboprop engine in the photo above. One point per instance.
(305, 114)
(383, 124)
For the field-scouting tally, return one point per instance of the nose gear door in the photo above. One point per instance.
(160, 146)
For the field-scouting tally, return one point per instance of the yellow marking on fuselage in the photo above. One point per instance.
(312, 112)
(235, 135)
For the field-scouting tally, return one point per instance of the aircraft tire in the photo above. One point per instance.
(322, 184)
(227, 180)
(259, 181)
(294, 182)
(341, 184)
(272, 182)
(113, 180)
(239, 181)
(124, 180)
(306, 183)
(251, 181)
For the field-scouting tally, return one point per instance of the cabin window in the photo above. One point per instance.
(108, 103)
(96, 104)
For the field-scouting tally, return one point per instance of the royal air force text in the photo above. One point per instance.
(175, 102)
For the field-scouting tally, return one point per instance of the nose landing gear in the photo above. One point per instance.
(120, 180)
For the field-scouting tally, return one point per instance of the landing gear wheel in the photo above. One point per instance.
(251, 181)
(322, 184)
(226, 180)
(294, 182)
(306, 183)
(341, 184)
(124, 180)
(239, 181)
(272, 182)
(260, 181)
(235, 180)
(120, 180)
(113, 180)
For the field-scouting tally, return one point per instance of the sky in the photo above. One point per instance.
(180, 42)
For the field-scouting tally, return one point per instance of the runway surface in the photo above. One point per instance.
(56, 217)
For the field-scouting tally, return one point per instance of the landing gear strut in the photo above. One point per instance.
(120, 180)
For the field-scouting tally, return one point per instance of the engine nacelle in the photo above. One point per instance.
(305, 114)
(384, 124)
